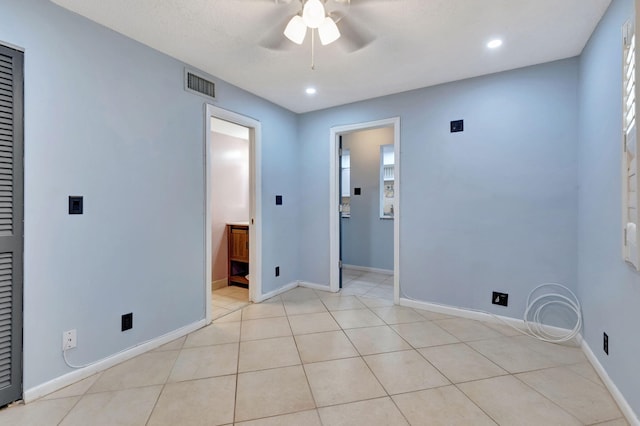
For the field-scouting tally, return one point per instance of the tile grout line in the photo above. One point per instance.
(466, 343)
(475, 403)
(451, 383)
(155, 404)
(235, 394)
(456, 384)
(304, 371)
(369, 367)
(374, 375)
(545, 397)
(72, 407)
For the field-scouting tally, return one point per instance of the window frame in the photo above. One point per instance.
(629, 162)
(383, 180)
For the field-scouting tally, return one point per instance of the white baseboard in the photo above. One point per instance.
(368, 269)
(626, 409)
(218, 284)
(314, 286)
(461, 312)
(479, 316)
(82, 373)
(276, 292)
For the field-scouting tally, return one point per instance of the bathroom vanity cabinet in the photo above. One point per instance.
(238, 254)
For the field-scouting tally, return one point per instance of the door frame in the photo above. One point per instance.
(255, 201)
(334, 190)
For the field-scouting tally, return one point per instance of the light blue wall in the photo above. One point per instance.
(107, 118)
(367, 240)
(492, 208)
(609, 288)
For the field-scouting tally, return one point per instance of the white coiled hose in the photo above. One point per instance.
(536, 306)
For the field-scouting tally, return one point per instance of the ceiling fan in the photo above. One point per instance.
(327, 18)
(314, 16)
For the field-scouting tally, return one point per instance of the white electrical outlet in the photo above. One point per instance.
(69, 339)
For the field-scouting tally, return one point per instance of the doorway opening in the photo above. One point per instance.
(364, 207)
(232, 219)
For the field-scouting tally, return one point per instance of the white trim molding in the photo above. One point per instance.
(624, 406)
(293, 285)
(321, 287)
(368, 269)
(334, 190)
(478, 316)
(274, 293)
(463, 313)
(82, 373)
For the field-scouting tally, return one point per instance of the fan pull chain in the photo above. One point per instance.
(313, 50)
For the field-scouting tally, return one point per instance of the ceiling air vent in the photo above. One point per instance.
(197, 84)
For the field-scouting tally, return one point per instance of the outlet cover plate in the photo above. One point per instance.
(501, 299)
(127, 321)
(457, 126)
(75, 204)
(69, 339)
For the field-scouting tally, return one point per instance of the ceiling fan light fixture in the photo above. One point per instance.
(313, 13)
(328, 31)
(296, 30)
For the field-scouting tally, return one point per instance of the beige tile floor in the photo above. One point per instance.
(314, 358)
(227, 300)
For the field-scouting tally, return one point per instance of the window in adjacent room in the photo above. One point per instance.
(387, 180)
(630, 150)
(345, 189)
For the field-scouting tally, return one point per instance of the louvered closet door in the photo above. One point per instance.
(11, 216)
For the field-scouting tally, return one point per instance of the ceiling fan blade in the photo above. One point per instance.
(358, 2)
(275, 38)
(272, 1)
(353, 37)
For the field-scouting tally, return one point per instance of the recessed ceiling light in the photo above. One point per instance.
(493, 44)
(311, 91)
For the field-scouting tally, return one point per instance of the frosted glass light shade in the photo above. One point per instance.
(296, 30)
(313, 13)
(328, 31)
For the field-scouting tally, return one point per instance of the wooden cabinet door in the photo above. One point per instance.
(239, 249)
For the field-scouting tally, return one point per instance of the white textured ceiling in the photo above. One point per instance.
(410, 43)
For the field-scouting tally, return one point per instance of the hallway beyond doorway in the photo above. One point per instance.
(367, 284)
